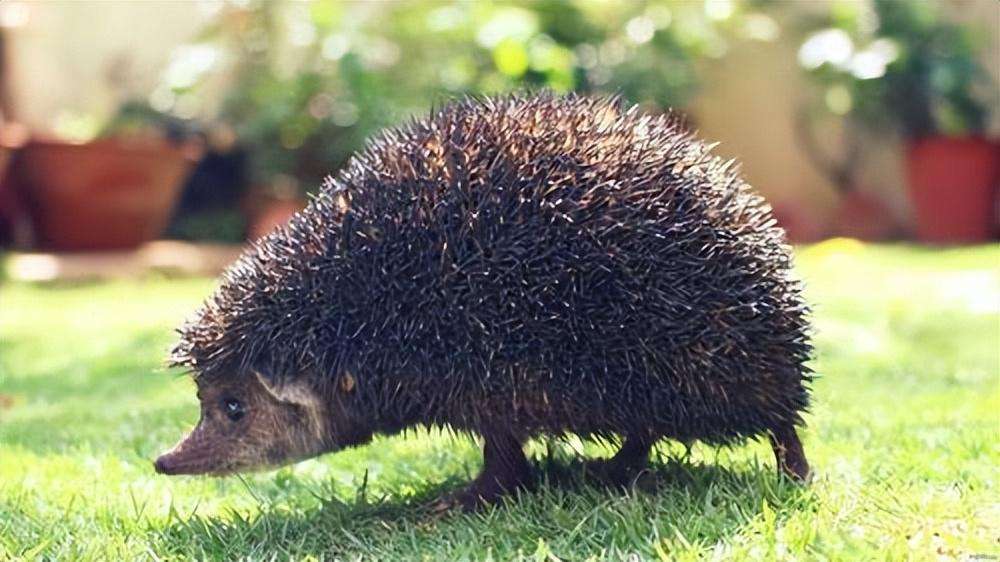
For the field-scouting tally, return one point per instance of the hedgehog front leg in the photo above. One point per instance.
(789, 454)
(625, 465)
(505, 470)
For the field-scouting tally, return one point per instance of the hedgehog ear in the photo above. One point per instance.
(285, 389)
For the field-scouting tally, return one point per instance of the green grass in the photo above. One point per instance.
(903, 437)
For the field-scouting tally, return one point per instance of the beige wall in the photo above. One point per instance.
(749, 100)
(747, 104)
(63, 58)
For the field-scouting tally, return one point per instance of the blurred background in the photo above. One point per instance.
(205, 123)
(142, 143)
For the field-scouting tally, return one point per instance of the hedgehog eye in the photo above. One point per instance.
(233, 409)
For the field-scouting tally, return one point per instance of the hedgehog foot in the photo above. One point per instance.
(789, 454)
(505, 471)
(625, 467)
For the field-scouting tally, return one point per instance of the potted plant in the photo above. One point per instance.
(917, 74)
(208, 208)
(105, 194)
(92, 190)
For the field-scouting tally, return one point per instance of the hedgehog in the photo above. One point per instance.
(515, 267)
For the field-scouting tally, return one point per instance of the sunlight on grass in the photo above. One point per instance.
(903, 434)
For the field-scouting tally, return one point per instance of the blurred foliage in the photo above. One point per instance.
(309, 82)
(137, 118)
(222, 225)
(898, 64)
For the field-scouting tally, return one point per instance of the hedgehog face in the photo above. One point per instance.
(247, 423)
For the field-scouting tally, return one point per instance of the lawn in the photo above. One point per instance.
(903, 437)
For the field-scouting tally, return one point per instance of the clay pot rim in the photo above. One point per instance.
(972, 138)
(149, 146)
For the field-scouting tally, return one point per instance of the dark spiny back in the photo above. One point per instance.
(559, 245)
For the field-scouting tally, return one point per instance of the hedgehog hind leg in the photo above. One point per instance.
(505, 471)
(625, 466)
(788, 453)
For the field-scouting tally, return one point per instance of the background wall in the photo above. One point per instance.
(75, 58)
(749, 102)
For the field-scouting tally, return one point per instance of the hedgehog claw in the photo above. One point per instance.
(623, 469)
(505, 470)
(468, 501)
(476, 496)
(789, 455)
(608, 472)
(445, 504)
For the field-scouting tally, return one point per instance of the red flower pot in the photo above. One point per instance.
(864, 217)
(102, 195)
(800, 223)
(953, 183)
(266, 213)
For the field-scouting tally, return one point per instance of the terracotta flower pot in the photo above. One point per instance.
(800, 222)
(953, 183)
(271, 205)
(265, 213)
(863, 216)
(102, 195)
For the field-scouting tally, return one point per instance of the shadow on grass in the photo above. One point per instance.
(574, 515)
